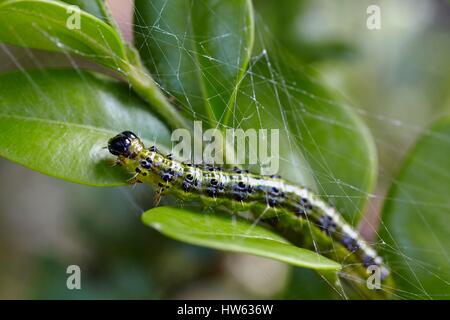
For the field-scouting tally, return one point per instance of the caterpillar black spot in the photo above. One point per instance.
(265, 196)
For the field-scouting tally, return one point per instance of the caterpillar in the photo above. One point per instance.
(267, 197)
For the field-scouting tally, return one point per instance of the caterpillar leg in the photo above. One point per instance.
(134, 179)
(114, 163)
(158, 195)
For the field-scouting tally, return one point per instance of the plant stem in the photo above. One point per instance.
(144, 85)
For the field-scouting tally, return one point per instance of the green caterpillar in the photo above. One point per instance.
(268, 198)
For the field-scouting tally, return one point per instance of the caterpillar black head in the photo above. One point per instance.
(125, 144)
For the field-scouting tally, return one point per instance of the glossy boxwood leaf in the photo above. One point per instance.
(416, 218)
(306, 284)
(281, 20)
(42, 24)
(323, 144)
(58, 121)
(197, 50)
(220, 231)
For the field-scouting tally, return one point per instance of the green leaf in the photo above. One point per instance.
(416, 217)
(219, 231)
(47, 25)
(197, 50)
(58, 121)
(282, 18)
(43, 24)
(323, 144)
(307, 284)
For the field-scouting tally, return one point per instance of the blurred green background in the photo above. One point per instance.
(396, 78)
